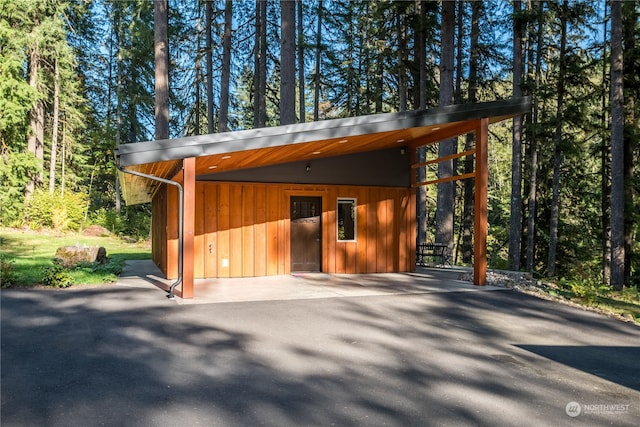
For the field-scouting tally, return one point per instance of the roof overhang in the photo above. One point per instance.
(304, 141)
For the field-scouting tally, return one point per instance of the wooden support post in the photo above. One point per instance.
(170, 252)
(481, 210)
(189, 215)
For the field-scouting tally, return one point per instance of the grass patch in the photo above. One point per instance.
(625, 302)
(586, 293)
(620, 305)
(590, 293)
(30, 252)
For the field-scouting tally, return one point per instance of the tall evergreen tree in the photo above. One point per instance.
(317, 66)
(301, 63)
(16, 95)
(631, 83)
(209, 62)
(161, 47)
(605, 156)
(260, 63)
(532, 199)
(403, 54)
(446, 191)
(469, 184)
(424, 92)
(287, 62)
(515, 227)
(617, 148)
(35, 141)
(225, 78)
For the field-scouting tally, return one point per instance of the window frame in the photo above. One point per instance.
(353, 202)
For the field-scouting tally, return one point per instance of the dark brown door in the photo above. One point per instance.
(306, 243)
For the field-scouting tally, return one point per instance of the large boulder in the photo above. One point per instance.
(71, 256)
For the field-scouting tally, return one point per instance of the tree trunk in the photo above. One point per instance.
(457, 99)
(605, 208)
(460, 21)
(209, 52)
(363, 60)
(421, 46)
(63, 177)
(256, 72)
(533, 149)
(316, 77)
(532, 198)
(301, 86)
(56, 123)
(287, 62)
(260, 65)
(161, 50)
(113, 39)
(117, 25)
(402, 58)
(223, 114)
(469, 184)
(605, 162)
(198, 79)
(557, 157)
(631, 14)
(379, 79)
(515, 223)
(628, 192)
(617, 148)
(35, 142)
(446, 191)
(421, 192)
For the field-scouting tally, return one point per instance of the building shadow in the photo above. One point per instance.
(616, 364)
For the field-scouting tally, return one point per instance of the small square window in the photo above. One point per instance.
(346, 220)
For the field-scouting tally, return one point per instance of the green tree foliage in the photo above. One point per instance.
(57, 211)
(16, 96)
(34, 38)
(15, 172)
(578, 168)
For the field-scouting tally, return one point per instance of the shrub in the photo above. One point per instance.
(57, 211)
(134, 221)
(108, 219)
(7, 273)
(56, 276)
(138, 222)
(108, 272)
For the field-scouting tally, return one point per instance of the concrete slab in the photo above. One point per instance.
(303, 285)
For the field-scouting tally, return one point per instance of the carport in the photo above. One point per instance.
(171, 173)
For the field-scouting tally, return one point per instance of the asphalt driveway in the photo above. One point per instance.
(128, 356)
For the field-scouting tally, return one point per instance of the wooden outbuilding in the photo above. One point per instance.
(334, 196)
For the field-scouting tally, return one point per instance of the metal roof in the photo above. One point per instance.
(287, 143)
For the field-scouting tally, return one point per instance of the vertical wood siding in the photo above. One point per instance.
(242, 229)
(159, 229)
